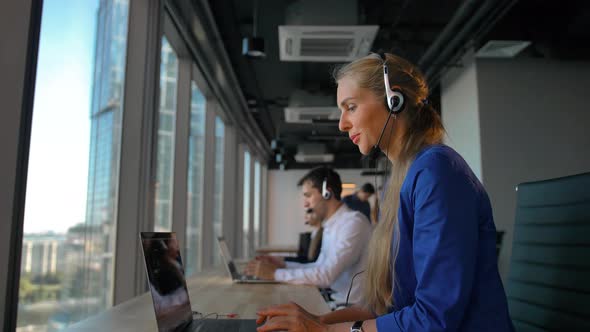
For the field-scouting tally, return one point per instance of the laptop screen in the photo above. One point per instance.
(166, 280)
(233, 271)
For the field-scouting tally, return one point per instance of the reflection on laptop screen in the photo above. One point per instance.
(166, 280)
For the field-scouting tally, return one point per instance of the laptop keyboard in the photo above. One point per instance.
(245, 277)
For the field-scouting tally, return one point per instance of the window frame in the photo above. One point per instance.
(230, 202)
(22, 26)
(195, 79)
(247, 248)
(264, 205)
(136, 165)
(181, 132)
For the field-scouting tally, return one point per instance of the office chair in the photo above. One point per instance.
(499, 238)
(304, 241)
(549, 282)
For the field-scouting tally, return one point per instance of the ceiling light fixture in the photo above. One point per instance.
(253, 47)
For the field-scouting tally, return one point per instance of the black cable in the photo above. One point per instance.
(387, 149)
(202, 316)
(350, 288)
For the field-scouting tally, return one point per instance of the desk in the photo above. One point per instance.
(210, 291)
(270, 249)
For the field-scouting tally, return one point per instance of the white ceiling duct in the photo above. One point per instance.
(310, 114)
(307, 107)
(314, 158)
(324, 31)
(313, 153)
(325, 43)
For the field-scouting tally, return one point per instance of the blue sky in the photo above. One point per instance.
(60, 138)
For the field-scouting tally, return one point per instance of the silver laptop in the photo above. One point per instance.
(169, 293)
(233, 271)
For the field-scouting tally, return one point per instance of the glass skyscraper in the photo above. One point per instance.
(105, 142)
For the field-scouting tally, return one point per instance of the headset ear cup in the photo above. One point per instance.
(326, 194)
(394, 101)
(397, 101)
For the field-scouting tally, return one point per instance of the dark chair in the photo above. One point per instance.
(309, 248)
(499, 238)
(549, 282)
(304, 241)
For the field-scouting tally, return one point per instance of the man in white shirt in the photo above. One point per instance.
(345, 239)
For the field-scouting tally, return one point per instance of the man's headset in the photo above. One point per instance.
(326, 194)
(395, 103)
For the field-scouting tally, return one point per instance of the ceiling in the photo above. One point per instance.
(430, 34)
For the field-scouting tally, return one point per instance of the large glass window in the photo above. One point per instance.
(166, 130)
(246, 206)
(257, 205)
(70, 225)
(196, 160)
(218, 187)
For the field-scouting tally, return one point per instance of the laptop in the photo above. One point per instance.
(236, 276)
(169, 293)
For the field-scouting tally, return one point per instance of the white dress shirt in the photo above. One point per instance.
(343, 254)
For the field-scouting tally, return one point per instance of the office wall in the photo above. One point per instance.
(533, 123)
(285, 207)
(461, 120)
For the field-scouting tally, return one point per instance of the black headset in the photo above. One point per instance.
(395, 101)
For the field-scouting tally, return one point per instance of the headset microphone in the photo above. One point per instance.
(375, 150)
(395, 103)
(310, 210)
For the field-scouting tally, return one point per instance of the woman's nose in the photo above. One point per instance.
(343, 124)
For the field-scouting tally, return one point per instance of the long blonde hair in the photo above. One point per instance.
(423, 127)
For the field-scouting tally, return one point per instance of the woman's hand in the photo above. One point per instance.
(289, 317)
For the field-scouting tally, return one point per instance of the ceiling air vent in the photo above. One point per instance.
(314, 158)
(313, 153)
(310, 114)
(502, 48)
(325, 43)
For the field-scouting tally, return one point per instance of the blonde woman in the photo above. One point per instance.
(432, 260)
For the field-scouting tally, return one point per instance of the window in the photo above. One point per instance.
(196, 160)
(166, 130)
(263, 204)
(218, 187)
(70, 224)
(257, 205)
(246, 206)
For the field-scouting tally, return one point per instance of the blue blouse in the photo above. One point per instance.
(446, 270)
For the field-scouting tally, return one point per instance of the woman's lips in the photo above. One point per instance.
(355, 138)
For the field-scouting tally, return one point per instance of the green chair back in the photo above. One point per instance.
(549, 282)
